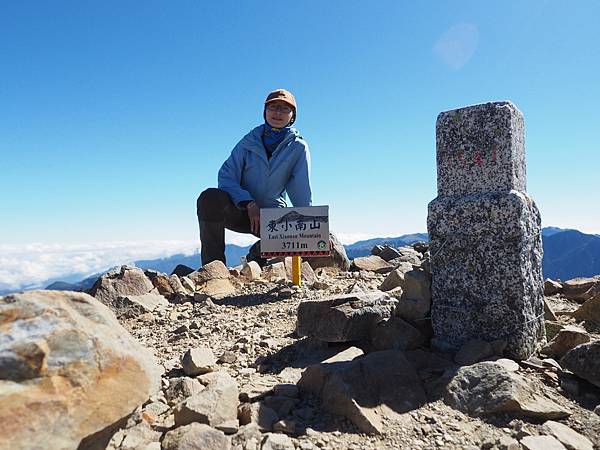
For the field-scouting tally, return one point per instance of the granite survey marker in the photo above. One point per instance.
(485, 233)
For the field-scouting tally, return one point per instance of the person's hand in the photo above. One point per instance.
(254, 216)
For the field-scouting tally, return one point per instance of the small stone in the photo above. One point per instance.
(228, 357)
(277, 442)
(566, 339)
(195, 436)
(251, 270)
(197, 361)
(229, 426)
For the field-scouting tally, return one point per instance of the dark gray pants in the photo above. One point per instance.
(216, 212)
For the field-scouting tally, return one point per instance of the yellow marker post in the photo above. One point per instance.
(296, 271)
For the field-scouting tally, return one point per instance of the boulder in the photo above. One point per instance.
(590, 310)
(360, 389)
(195, 436)
(120, 282)
(415, 302)
(584, 361)
(566, 339)
(473, 351)
(396, 277)
(397, 334)
(388, 253)
(581, 289)
(65, 361)
(371, 264)
(570, 438)
(487, 388)
(215, 404)
(134, 305)
(337, 259)
(217, 288)
(181, 270)
(344, 318)
(197, 361)
(211, 271)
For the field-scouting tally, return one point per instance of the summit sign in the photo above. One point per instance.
(294, 231)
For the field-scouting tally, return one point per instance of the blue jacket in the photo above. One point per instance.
(249, 175)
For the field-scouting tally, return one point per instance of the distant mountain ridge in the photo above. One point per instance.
(567, 254)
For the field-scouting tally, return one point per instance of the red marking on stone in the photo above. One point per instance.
(477, 159)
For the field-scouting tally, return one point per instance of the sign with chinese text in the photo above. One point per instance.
(294, 231)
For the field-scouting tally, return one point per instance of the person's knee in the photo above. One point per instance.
(211, 203)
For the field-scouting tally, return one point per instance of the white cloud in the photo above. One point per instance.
(23, 266)
(456, 46)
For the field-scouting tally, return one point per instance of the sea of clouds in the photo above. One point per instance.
(35, 265)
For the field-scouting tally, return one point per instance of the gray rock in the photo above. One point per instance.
(181, 388)
(570, 438)
(487, 388)
(274, 271)
(308, 274)
(473, 351)
(197, 361)
(548, 312)
(552, 287)
(134, 305)
(258, 413)
(277, 442)
(485, 232)
(567, 338)
(360, 389)
(216, 404)
(121, 282)
(66, 361)
(396, 333)
(371, 264)
(337, 259)
(388, 253)
(590, 310)
(139, 436)
(195, 436)
(345, 318)
(395, 278)
(177, 286)
(581, 289)
(415, 302)
(541, 443)
(584, 361)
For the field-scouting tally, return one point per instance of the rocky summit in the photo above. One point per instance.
(240, 358)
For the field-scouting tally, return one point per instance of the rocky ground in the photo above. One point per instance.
(241, 363)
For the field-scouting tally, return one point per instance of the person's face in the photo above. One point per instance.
(279, 114)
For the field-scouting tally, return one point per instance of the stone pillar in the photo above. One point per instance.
(485, 233)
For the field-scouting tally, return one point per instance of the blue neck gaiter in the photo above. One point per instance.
(272, 137)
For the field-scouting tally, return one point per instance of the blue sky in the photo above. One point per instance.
(115, 115)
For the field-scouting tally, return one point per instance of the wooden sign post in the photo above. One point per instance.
(294, 232)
